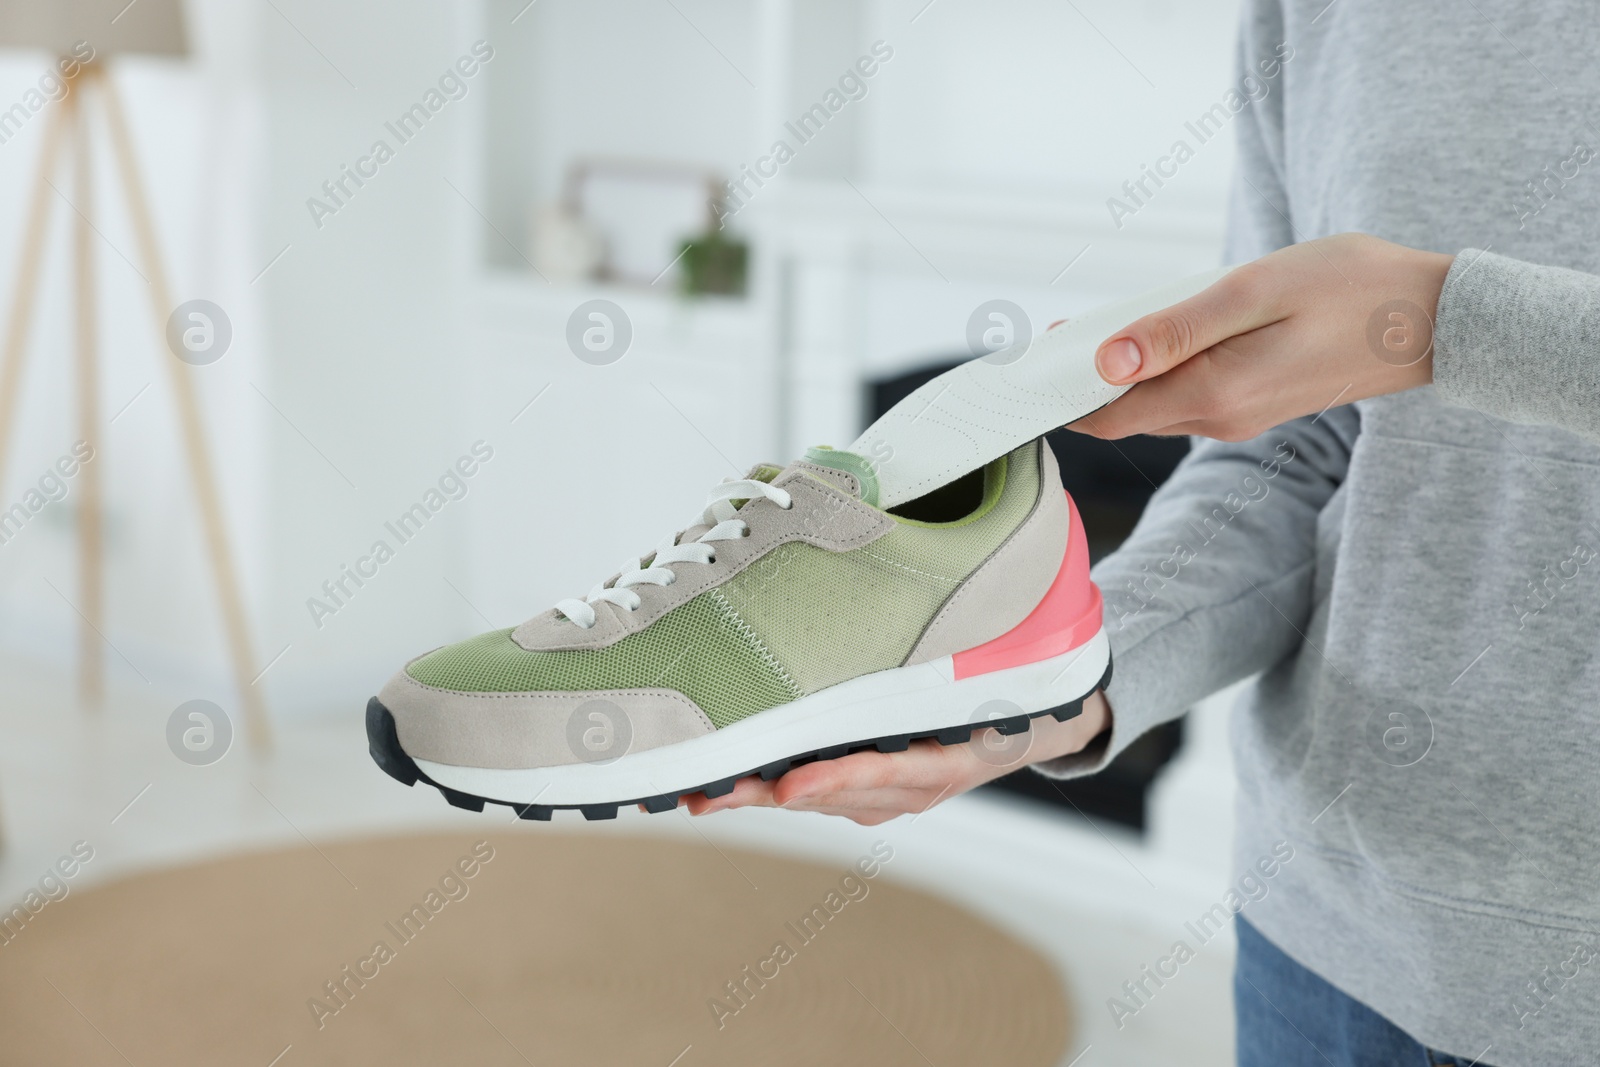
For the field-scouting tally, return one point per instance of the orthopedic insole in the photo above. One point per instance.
(979, 411)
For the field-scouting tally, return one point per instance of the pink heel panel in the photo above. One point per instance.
(1068, 616)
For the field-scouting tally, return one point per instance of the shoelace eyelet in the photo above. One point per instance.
(717, 515)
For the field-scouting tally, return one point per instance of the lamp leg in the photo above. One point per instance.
(200, 469)
(25, 290)
(91, 548)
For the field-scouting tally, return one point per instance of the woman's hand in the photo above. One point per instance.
(874, 787)
(1313, 325)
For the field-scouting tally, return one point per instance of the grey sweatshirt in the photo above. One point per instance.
(1415, 579)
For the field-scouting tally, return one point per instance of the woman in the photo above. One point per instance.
(1404, 486)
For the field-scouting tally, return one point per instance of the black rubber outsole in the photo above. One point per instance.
(384, 744)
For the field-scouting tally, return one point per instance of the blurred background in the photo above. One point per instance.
(395, 221)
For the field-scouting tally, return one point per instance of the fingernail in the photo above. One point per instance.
(1119, 360)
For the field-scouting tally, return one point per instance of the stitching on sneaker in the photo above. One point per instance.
(913, 570)
(759, 647)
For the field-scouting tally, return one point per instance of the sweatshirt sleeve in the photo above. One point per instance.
(1193, 598)
(1258, 203)
(1520, 341)
(1216, 581)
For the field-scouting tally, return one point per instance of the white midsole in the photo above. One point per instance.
(902, 700)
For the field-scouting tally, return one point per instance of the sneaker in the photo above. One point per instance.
(797, 620)
(986, 407)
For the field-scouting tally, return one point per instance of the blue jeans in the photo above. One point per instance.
(1289, 1017)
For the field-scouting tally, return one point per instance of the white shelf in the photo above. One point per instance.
(518, 300)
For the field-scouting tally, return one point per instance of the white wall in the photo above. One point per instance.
(1034, 97)
(368, 361)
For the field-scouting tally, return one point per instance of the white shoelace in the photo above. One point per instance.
(719, 514)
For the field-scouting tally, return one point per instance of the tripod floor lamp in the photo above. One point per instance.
(85, 34)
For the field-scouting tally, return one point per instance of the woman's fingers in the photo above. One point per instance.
(926, 764)
(1160, 341)
(1185, 394)
(861, 784)
(747, 792)
(1219, 393)
(871, 809)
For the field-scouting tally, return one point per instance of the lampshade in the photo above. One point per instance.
(111, 27)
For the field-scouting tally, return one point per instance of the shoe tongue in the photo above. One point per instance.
(764, 472)
(834, 459)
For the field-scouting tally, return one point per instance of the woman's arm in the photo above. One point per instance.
(1348, 317)
(1217, 581)
(1304, 329)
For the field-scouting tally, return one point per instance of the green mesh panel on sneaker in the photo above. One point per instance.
(702, 649)
(832, 616)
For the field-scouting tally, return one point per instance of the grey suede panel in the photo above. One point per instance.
(1008, 585)
(512, 731)
(822, 515)
(843, 480)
